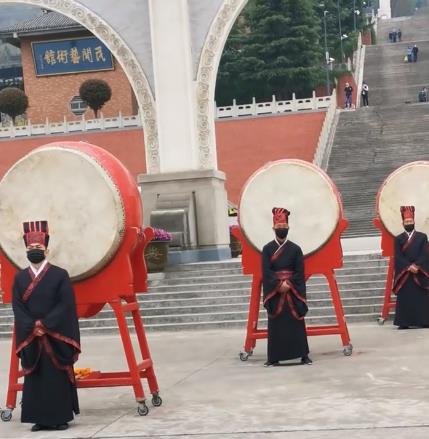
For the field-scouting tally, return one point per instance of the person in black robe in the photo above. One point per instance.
(411, 282)
(47, 335)
(284, 295)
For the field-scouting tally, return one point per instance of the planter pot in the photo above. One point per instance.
(235, 246)
(156, 256)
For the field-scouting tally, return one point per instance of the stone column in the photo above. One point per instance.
(174, 88)
(181, 170)
(385, 10)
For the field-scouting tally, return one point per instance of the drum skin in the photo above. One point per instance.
(407, 185)
(302, 188)
(124, 273)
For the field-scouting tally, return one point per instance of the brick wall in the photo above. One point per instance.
(244, 145)
(50, 96)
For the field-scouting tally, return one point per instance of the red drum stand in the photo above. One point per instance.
(323, 262)
(387, 250)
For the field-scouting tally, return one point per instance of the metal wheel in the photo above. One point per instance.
(6, 415)
(381, 321)
(244, 356)
(142, 409)
(156, 400)
(348, 350)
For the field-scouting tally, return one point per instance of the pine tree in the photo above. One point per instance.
(277, 51)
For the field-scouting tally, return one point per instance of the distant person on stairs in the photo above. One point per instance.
(415, 52)
(284, 294)
(410, 54)
(423, 95)
(411, 281)
(348, 90)
(399, 34)
(365, 94)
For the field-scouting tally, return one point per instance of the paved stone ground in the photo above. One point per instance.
(380, 392)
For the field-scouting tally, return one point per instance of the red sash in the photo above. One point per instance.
(285, 275)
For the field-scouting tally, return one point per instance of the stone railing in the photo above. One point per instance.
(324, 144)
(26, 128)
(103, 123)
(358, 67)
(274, 107)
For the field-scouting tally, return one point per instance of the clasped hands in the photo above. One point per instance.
(39, 331)
(413, 268)
(284, 287)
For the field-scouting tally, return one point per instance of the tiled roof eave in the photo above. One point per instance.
(41, 32)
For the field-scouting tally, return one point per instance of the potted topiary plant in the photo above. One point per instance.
(156, 252)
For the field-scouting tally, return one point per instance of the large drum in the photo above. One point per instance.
(305, 190)
(408, 185)
(85, 193)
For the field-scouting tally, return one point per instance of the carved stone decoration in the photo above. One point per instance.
(206, 79)
(134, 71)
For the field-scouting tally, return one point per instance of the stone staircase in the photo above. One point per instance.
(371, 142)
(216, 295)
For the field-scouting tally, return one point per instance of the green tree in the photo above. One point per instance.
(348, 34)
(95, 92)
(13, 102)
(275, 50)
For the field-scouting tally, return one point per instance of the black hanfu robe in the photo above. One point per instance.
(47, 301)
(287, 338)
(412, 290)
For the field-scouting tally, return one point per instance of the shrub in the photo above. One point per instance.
(13, 102)
(95, 92)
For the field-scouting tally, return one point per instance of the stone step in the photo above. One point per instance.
(317, 307)
(6, 333)
(212, 281)
(375, 281)
(213, 274)
(111, 326)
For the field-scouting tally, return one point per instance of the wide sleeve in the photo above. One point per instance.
(61, 323)
(422, 259)
(24, 321)
(269, 277)
(401, 262)
(298, 279)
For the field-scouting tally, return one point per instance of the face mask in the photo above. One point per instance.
(409, 227)
(36, 255)
(281, 233)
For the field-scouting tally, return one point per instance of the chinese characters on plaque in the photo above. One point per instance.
(76, 55)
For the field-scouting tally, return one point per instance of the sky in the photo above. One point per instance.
(14, 13)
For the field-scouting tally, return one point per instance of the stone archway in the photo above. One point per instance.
(126, 58)
(206, 78)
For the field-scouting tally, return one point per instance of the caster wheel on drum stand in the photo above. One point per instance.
(244, 356)
(381, 321)
(156, 400)
(142, 409)
(348, 350)
(6, 415)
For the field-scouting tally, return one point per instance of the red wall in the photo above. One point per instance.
(126, 145)
(367, 38)
(244, 145)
